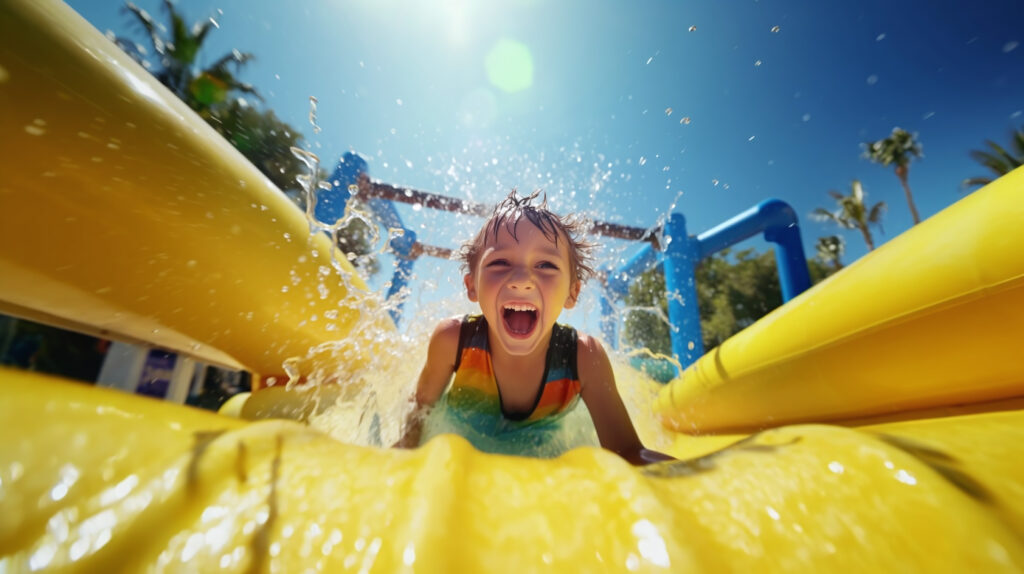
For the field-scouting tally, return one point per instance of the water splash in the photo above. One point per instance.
(312, 114)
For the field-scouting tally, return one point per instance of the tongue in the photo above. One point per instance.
(519, 322)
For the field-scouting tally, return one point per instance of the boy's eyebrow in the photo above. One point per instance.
(550, 251)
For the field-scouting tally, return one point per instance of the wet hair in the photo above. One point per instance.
(513, 209)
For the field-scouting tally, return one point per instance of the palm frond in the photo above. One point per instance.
(876, 212)
(975, 182)
(1018, 142)
(822, 214)
(993, 162)
(1007, 157)
(148, 24)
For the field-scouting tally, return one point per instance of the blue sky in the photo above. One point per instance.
(779, 96)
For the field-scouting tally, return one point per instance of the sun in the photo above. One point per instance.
(509, 66)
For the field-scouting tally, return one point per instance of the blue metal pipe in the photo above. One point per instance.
(619, 280)
(330, 203)
(777, 220)
(681, 257)
(609, 322)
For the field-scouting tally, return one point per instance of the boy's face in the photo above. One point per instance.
(522, 286)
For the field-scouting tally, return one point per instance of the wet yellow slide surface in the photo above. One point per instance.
(102, 481)
(149, 227)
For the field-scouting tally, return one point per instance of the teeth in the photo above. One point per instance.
(519, 307)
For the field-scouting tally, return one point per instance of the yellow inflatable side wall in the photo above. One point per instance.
(103, 481)
(122, 212)
(935, 317)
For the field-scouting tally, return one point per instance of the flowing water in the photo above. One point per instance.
(370, 404)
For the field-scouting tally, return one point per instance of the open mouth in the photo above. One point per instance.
(519, 318)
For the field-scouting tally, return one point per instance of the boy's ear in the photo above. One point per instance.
(470, 288)
(574, 294)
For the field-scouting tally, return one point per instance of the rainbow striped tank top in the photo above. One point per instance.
(474, 399)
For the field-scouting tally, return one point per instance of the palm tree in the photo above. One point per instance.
(830, 251)
(998, 159)
(177, 69)
(898, 149)
(853, 213)
(259, 135)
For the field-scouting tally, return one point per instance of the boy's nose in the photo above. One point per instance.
(521, 280)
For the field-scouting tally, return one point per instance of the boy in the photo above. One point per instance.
(517, 371)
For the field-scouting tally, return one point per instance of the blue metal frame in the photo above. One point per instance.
(682, 252)
(330, 207)
(774, 218)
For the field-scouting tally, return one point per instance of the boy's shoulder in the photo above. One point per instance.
(591, 358)
(588, 344)
(448, 327)
(445, 337)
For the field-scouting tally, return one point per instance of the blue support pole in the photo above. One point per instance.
(330, 207)
(330, 203)
(609, 322)
(402, 247)
(617, 287)
(619, 280)
(681, 257)
(790, 259)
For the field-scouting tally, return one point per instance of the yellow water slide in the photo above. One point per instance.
(123, 214)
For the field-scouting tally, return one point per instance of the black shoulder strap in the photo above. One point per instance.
(565, 346)
(466, 331)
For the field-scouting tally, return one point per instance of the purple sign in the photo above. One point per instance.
(156, 374)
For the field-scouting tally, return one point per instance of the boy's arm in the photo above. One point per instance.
(614, 429)
(437, 371)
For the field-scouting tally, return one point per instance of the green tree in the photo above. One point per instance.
(260, 136)
(263, 139)
(733, 291)
(897, 150)
(853, 213)
(829, 251)
(998, 159)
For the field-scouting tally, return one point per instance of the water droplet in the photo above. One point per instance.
(312, 114)
(643, 160)
(1010, 46)
(668, 111)
(775, 29)
(4, 75)
(872, 79)
(34, 130)
(806, 117)
(398, 101)
(693, 28)
(685, 121)
(757, 64)
(880, 37)
(214, 22)
(751, 138)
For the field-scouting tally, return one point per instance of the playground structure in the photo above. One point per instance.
(159, 241)
(679, 256)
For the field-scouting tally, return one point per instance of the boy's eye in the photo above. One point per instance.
(547, 265)
(497, 263)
